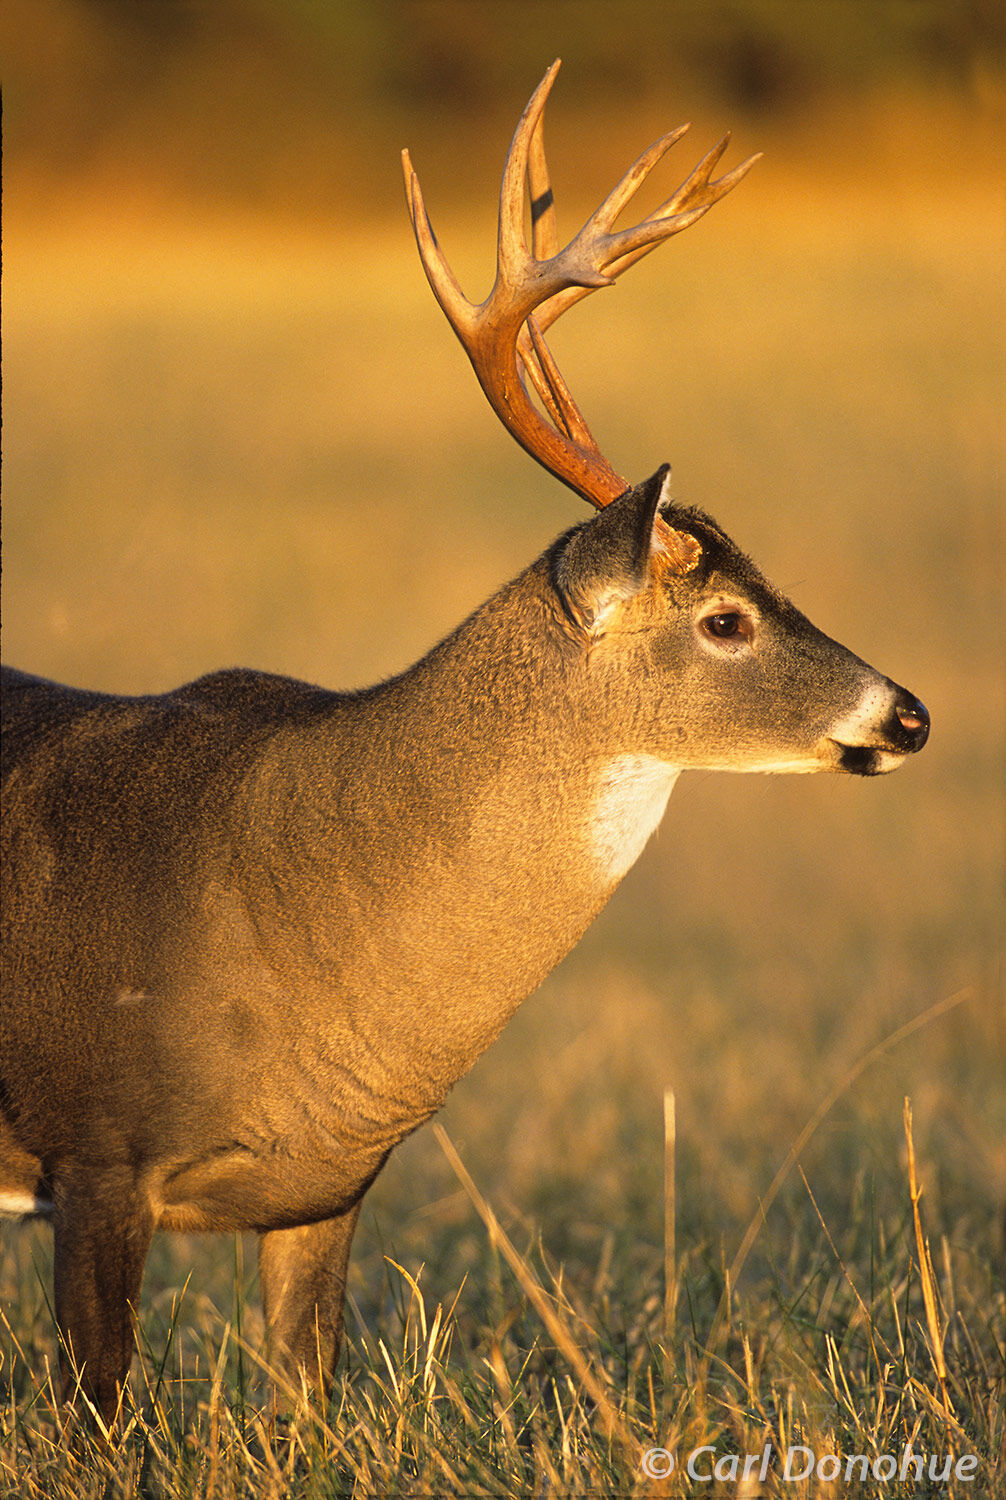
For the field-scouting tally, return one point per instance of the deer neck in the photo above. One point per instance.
(439, 843)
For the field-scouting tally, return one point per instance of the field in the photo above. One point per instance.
(246, 438)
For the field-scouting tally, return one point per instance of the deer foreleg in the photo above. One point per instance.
(303, 1278)
(102, 1230)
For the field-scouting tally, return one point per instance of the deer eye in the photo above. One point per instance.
(723, 626)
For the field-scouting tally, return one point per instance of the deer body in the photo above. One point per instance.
(254, 930)
(303, 915)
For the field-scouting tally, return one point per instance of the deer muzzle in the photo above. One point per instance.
(902, 731)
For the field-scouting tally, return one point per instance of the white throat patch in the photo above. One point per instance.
(632, 792)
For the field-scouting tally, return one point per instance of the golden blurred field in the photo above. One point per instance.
(240, 432)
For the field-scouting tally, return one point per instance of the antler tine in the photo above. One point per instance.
(626, 188)
(544, 231)
(459, 311)
(555, 394)
(535, 354)
(697, 190)
(527, 145)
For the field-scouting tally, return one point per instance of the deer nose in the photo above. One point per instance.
(913, 716)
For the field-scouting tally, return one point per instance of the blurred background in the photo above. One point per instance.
(237, 430)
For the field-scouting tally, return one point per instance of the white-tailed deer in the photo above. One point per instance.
(254, 930)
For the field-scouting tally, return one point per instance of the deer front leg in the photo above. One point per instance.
(302, 1273)
(102, 1234)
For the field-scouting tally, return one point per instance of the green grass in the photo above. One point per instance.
(237, 441)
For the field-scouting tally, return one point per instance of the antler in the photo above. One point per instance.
(532, 288)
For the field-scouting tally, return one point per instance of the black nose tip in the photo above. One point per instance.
(913, 717)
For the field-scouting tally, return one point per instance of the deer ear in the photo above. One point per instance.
(614, 556)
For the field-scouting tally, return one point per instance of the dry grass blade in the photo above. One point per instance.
(614, 1426)
(926, 1269)
(670, 1251)
(864, 1311)
(793, 1155)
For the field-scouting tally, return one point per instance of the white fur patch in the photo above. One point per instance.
(23, 1205)
(632, 792)
(872, 710)
(886, 760)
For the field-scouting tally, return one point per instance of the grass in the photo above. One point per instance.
(238, 440)
(850, 1347)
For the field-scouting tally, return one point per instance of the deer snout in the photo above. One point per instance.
(888, 724)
